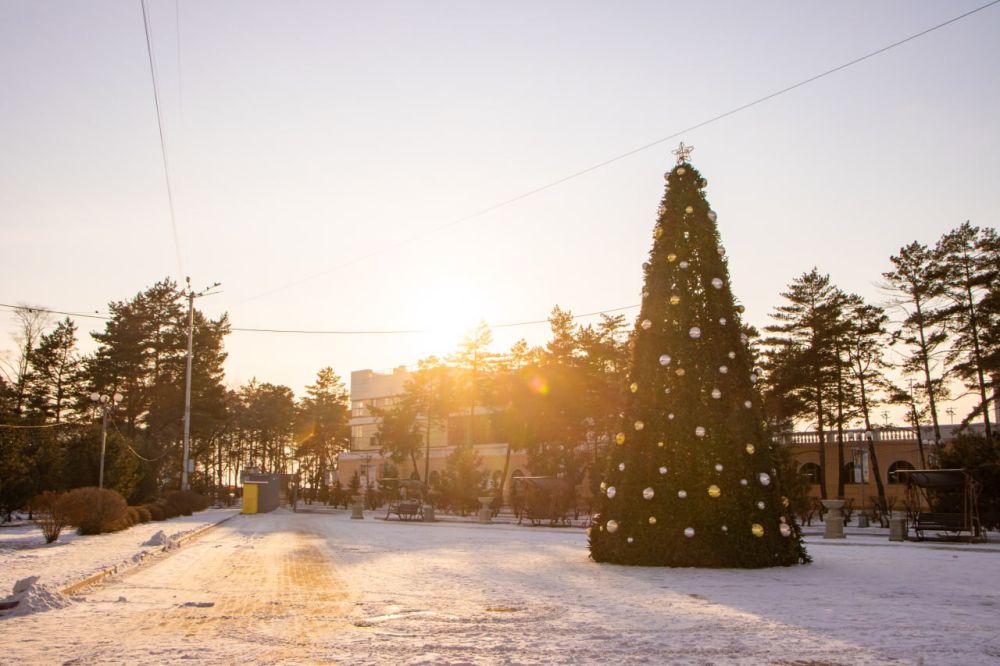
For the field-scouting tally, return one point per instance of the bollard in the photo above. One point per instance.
(428, 513)
(357, 507)
(486, 511)
(897, 528)
(834, 519)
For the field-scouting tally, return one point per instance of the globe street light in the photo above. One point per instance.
(106, 404)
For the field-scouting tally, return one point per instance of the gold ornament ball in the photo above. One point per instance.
(751, 448)
(675, 299)
(689, 209)
(620, 438)
(639, 425)
(652, 520)
(658, 232)
(680, 372)
(758, 530)
(671, 257)
(714, 491)
(633, 387)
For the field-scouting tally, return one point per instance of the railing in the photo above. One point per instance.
(890, 434)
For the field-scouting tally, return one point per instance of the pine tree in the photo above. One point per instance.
(692, 478)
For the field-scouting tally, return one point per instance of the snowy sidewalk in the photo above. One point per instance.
(23, 551)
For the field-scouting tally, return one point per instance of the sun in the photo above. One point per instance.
(445, 311)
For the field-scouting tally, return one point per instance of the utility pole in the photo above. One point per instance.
(191, 295)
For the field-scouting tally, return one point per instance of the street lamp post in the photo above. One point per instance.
(106, 404)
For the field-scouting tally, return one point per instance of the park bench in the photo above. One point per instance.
(406, 509)
(940, 522)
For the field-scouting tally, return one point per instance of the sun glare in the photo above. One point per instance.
(446, 312)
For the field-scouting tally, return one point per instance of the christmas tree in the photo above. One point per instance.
(691, 479)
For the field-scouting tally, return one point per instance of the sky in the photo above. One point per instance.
(328, 159)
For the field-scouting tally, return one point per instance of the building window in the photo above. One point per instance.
(811, 472)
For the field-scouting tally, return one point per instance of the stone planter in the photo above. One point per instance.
(834, 519)
(486, 509)
(357, 507)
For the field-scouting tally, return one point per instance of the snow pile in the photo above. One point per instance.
(161, 539)
(32, 597)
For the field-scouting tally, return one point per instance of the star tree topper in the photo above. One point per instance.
(683, 152)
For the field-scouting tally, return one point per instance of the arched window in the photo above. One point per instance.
(435, 478)
(811, 472)
(899, 464)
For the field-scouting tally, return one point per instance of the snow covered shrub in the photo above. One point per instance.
(49, 514)
(94, 511)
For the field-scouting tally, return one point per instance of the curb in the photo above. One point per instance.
(144, 556)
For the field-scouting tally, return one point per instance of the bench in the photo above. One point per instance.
(406, 509)
(940, 522)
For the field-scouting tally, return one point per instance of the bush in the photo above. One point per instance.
(49, 514)
(144, 514)
(156, 511)
(94, 511)
(186, 501)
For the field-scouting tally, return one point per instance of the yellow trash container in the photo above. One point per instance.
(250, 491)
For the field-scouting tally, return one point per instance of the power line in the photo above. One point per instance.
(409, 331)
(163, 143)
(507, 202)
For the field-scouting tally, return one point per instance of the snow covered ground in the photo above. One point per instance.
(321, 588)
(23, 551)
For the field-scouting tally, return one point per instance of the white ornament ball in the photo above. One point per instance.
(725, 529)
(723, 369)
(663, 470)
(743, 482)
(670, 416)
(689, 209)
(612, 526)
(712, 216)
(621, 467)
(721, 250)
(753, 378)
(716, 393)
(630, 539)
(682, 494)
(639, 425)
(747, 404)
(785, 530)
(646, 324)
(732, 354)
(665, 359)
(764, 478)
(718, 467)
(611, 492)
(695, 332)
(648, 493)
(760, 505)
(722, 321)
(684, 264)
(699, 431)
(717, 283)
(689, 532)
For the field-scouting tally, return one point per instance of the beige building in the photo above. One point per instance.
(895, 448)
(381, 389)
